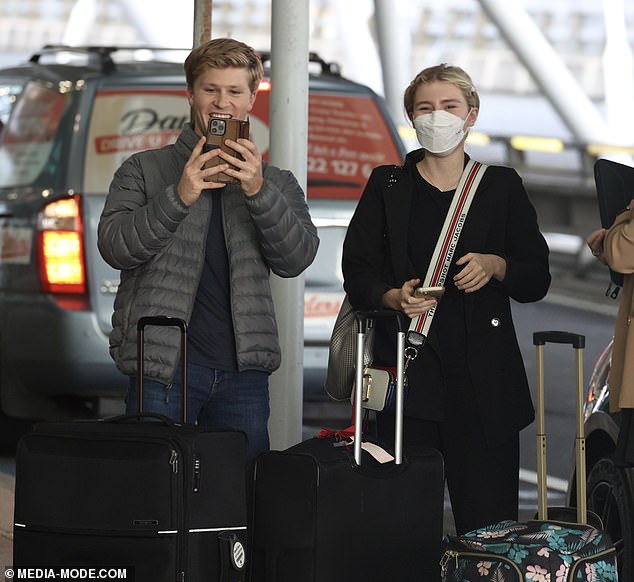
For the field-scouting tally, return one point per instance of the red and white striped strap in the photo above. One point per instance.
(446, 245)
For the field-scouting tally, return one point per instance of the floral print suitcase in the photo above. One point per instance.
(535, 551)
(564, 548)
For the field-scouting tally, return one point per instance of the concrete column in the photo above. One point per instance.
(289, 149)
(394, 44)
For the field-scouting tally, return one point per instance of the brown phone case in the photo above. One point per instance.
(219, 129)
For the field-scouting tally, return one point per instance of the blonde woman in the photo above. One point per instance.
(468, 394)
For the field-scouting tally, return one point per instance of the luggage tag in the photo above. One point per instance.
(379, 453)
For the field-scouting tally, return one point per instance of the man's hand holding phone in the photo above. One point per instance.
(248, 170)
(195, 177)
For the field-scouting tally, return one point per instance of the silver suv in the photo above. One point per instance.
(69, 117)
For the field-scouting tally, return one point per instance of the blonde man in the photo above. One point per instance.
(193, 247)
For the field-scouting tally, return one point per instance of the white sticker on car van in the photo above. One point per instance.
(15, 245)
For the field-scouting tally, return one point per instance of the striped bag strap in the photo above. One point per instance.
(446, 245)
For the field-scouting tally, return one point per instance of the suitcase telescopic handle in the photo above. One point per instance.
(578, 342)
(367, 317)
(161, 321)
(365, 320)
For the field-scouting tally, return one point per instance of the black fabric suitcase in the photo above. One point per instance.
(164, 500)
(562, 543)
(325, 511)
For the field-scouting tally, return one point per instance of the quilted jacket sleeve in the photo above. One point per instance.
(135, 225)
(288, 238)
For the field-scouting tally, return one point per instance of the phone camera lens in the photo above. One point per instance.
(218, 126)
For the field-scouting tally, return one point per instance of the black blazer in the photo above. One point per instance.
(501, 221)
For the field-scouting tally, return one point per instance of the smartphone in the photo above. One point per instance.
(219, 129)
(429, 292)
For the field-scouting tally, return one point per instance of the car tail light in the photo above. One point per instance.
(61, 251)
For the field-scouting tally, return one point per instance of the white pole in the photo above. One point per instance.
(548, 71)
(618, 71)
(360, 61)
(394, 45)
(288, 149)
(81, 19)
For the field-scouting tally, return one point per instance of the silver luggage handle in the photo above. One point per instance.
(365, 319)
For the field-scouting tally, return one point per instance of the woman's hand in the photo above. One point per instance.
(478, 270)
(595, 243)
(403, 299)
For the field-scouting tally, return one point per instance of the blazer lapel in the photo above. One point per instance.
(398, 201)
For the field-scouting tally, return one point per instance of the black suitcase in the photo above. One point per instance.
(562, 543)
(324, 511)
(164, 500)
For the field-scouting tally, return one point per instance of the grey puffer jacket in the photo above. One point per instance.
(158, 243)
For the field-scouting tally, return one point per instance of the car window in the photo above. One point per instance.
(125, 121)
(29, 136)
(9, 92)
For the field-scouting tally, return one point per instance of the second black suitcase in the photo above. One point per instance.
(329, 513)
(164, 500)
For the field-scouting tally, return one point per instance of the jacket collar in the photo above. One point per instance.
(186, 141)
(416, 156)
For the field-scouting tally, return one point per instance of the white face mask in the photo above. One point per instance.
(440, 132)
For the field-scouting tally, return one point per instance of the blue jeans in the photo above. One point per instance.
(215, 399)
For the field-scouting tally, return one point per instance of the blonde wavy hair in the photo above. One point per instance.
(221, 53)
(446, 73)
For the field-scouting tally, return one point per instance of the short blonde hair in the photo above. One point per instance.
(446, 73)
(222, 53)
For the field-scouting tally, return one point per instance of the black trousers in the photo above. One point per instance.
(482, 480)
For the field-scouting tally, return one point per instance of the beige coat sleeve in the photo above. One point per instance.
(618, 246)
(618, 249)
